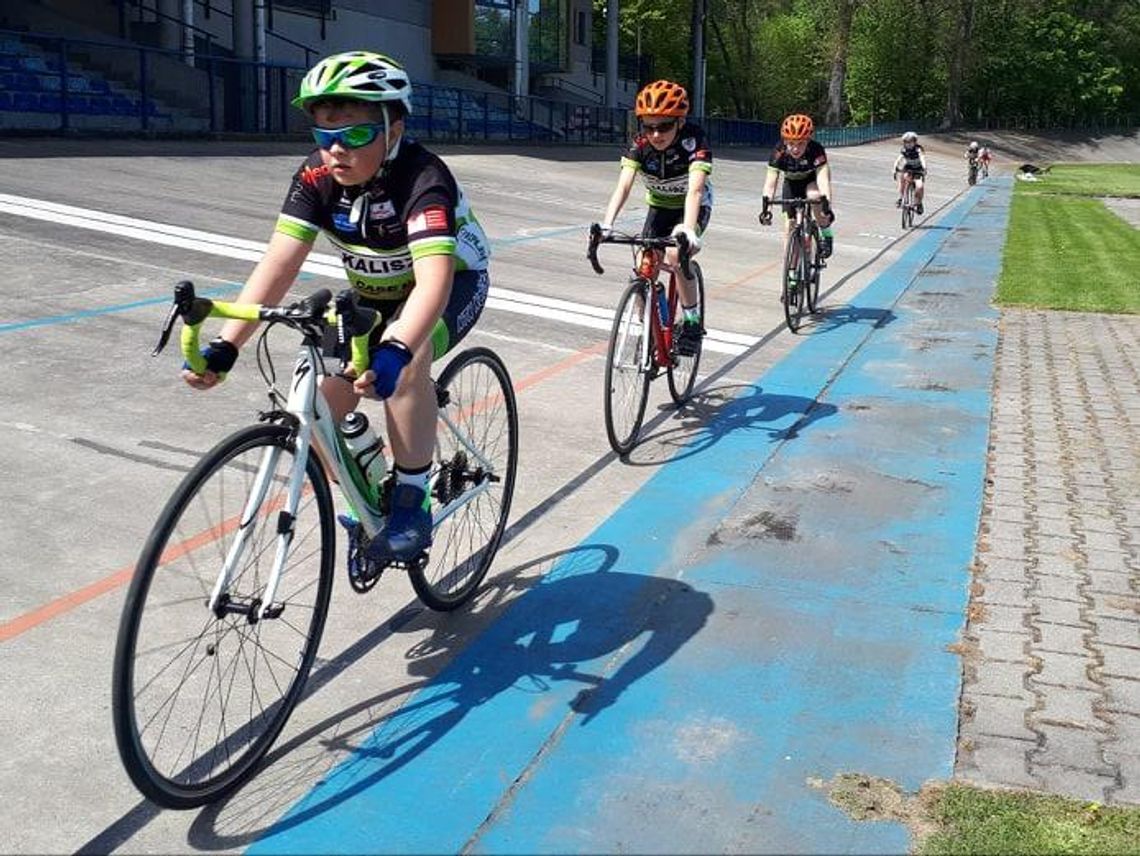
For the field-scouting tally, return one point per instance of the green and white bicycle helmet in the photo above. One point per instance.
(362, 75)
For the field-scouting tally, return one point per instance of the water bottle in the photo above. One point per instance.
(662, 307)
(365, 447)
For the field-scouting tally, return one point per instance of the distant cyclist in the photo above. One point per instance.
(807, 175)
(674, 160)
(984, 158)
(910, 166)
(411, 247)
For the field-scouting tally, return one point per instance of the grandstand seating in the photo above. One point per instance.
(31, 94)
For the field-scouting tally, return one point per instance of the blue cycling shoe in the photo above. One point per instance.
(408, 532)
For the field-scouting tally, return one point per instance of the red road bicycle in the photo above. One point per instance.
(643, 340)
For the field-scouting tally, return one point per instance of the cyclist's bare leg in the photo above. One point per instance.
(904, 179)
(919, 186)
(684, 285)
(813, 193)
(412, 413)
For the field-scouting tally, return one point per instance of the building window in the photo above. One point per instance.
(580, 28)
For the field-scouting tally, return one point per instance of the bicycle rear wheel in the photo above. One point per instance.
(682, 371)
(473, 478)
(199, 695)
(793, 288)
(627, 370)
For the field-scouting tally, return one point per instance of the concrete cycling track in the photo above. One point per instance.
(774, 606)
(760, 598)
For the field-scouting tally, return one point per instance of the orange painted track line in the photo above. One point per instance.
(29, 620)
(752, 274)
(68, 602)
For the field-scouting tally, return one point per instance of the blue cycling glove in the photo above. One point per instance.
(388, 360)
(220, 356)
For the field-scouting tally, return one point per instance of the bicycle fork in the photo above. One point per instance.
(254, 510)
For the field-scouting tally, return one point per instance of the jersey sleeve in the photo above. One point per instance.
(819, 156)
(300, 214)
(634, 155)
(700, 159)
(775, 161)
(430, 216)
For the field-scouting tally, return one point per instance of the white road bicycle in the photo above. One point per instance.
(226, 608)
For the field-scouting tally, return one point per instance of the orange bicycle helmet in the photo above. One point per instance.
(797, 127)
(663, 98)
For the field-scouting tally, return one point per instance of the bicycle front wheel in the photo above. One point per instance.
(908, 207)
(473, 478)
(682, 371)
(627, 370)
(813, 265)
(199, 693)
(793, 288)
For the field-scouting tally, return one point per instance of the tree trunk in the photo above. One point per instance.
(733, 79)
(836, 103)
(959, 53)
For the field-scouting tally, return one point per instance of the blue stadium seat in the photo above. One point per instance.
(26, 101)
(5, 100)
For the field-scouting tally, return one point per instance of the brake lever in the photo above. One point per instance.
(592, 252)
(183, 304)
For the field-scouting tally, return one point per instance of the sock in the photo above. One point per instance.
(692, 314)
(419, 477)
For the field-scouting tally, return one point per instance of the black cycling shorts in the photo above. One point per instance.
(659, 222)
(795, 190)
(468, 297)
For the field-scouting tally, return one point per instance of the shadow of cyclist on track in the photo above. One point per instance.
(715, 412)
(581, 634)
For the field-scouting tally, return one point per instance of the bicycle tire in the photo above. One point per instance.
(230, 660)
(625, 365)
(972, 175)
(814, 266)
(793, 292)
(682, 370)
(480, 402)
(908, 206)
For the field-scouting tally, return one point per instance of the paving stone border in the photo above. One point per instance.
(1051, 665)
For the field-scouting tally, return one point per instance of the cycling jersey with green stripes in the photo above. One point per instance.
(414, 209)
(666, 173)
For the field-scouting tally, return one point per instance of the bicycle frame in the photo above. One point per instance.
(658, 314)
(314, 428)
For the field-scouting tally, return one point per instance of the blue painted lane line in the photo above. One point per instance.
(769, 611)
(71, 318)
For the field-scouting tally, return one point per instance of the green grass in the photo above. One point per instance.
(973, 821)
(1112, 179)
(1067, 251)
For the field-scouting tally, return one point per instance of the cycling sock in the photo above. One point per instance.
(691, 313)
(418, 477)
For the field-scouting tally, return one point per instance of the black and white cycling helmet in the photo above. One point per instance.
(910, 137)
(973, 145)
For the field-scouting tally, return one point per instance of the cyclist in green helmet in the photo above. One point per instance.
(411, 247)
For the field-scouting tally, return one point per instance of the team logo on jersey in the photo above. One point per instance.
(380, 210)
(433, 219)
(652, 165)
(311, 175)
(341, 221)
(689, 144)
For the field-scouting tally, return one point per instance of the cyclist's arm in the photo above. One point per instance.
(770, 181)
(922, 160)
(823, 180)
(621, 193)
(425, 304)
(693, 197)
(269, 282)
(899, 163)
